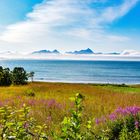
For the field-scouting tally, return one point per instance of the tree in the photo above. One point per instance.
(5, 77)
(31, 75)
(20, 76)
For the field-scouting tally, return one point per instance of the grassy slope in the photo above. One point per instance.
(100, 99)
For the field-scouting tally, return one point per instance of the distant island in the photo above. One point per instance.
(86, 51)
(46, 52)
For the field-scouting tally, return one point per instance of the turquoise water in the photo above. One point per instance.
(80, 71)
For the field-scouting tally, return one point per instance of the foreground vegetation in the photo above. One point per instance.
(18, 76)
(123, 124)
(50, 105)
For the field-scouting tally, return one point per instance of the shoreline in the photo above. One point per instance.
(82, 83)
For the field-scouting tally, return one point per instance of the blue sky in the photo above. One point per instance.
(13, 11)
(102, 25)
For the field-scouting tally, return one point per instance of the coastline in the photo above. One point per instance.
(84, 83)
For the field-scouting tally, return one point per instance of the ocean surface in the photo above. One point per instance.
(72, 71)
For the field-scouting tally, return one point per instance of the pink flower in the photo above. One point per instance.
(51, 103)
(113, 116)
(26, 125)
(97, 121)
(136, 124)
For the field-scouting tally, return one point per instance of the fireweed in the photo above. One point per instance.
(122, 123)
(121, 113)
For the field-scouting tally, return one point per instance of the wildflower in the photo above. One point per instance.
(26, 125)
(121, 111)
(112, 116)
(127, 111)
(97, 121)
(31, 102)
(1, 103)
(51, 103)
(137, 124)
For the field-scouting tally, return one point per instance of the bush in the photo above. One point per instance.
(17, 124)
(30, 93)
(71, 127)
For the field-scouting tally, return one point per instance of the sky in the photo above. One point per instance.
(66, 25)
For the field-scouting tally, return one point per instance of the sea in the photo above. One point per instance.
(77, 71)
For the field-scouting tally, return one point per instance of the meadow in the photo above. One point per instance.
(50, 102)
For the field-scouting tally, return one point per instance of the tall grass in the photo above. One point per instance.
(50, 102)
(122, 124)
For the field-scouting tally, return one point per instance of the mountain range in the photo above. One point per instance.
(86, 51)
(46, 52)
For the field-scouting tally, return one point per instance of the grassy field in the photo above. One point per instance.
(50, 101)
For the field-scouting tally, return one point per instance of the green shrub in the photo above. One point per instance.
(30, 93)
(125, 134)
(71, 127)
(18, 125)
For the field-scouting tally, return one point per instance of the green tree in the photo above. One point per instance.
(1, 75)
(31, 75)
(5, 77)
(20, 76)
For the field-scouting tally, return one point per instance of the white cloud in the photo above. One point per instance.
(112, 13)
(114, 38)
(58, 20)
